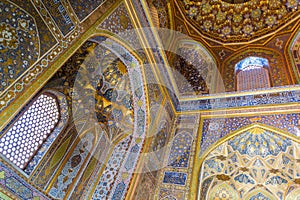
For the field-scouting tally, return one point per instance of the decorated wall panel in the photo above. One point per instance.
(146, 185)
(175, 177)
(36, 34)
(60, 16)
(104, 187)
(160, 131)
(51, 162)
(280, 96)
(67, 175)
(159, 135)
(25, 38)
(118, 21)
(160, 13)
(89, 177)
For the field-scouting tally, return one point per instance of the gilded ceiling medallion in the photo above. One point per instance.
(238, 20)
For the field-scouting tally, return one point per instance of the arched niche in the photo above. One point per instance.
(254, 157)
(278, 70)
(180, 150)
(193, 68)
(104, 87)
(120, 105)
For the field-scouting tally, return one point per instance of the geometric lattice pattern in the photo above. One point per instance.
(254, 78)
(27, 134)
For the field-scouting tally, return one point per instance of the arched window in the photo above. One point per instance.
(25, 141)
(252, 73)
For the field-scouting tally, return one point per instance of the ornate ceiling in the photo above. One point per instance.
(236, 21)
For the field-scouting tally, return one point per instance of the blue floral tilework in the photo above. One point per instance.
(177, 178)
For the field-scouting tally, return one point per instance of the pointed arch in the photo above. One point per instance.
(114, 105)
(279, 74)
(193, 69)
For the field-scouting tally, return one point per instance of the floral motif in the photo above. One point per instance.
(255, 14)
(271, 20)
(237, 18)
(292, 4)
(206, 8)
(248, 29)
(8, 36)
(193, 11)
(226, 30)
(207, 24)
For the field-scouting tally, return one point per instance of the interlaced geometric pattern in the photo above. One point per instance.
(28, 133)
(256, 164)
